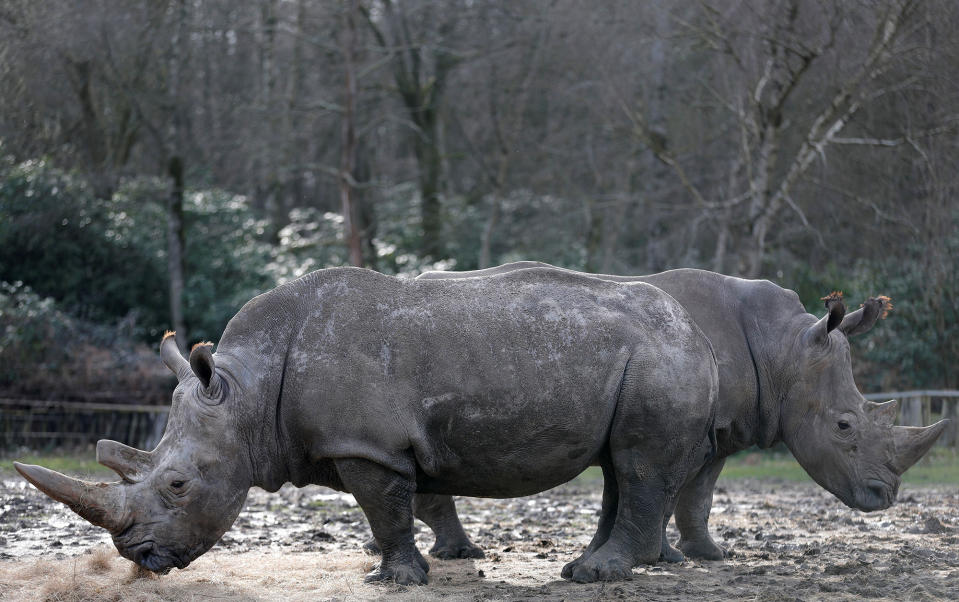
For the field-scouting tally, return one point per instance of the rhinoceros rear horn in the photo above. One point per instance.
(100, 503)
(865, 317)
(172, 357)
(912, 442)
(132, 464)
(883, 413)
(836, 309)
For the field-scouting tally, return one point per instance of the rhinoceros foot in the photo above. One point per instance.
(569, 567)
(702, 549)
(670, 554)
(599, 567)
(401, 574)
(371, 547)
(453, 550)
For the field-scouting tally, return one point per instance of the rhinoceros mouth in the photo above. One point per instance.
(154, 558)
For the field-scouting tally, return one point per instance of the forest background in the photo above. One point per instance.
(163, 161)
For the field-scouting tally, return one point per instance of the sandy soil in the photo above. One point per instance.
(788, 542)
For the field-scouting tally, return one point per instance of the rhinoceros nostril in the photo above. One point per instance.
(143, 554)
(879, 490)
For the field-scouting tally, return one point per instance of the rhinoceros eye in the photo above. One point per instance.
(177, 484)
(843, 425)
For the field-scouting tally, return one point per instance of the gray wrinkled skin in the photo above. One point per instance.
(499, 387)
(784, 376)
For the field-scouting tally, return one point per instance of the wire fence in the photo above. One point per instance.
(45, 424)
(923, 407)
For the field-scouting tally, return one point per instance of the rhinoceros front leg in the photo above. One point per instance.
(386, 498)
(692, 514)
(439, 513)
(607, 516)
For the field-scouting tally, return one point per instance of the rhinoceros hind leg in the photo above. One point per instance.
(439, 513)
(607, 516)
(386, 498)
(692, 514)
(649, 461)
(371, 547)
(636, 536)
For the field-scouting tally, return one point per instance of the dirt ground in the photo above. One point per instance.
(788, 541)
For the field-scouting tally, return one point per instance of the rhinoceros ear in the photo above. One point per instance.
(203, 366)
(865, 317)
(818, 333)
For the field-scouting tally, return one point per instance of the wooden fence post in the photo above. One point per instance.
(910, 412)
(949, 410)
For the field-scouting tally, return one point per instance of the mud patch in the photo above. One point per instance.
(788, 542)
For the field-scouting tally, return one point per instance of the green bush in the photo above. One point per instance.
(105, 260)
(61, 240)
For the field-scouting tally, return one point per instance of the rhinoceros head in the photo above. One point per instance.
(846, 443)
(174, 502)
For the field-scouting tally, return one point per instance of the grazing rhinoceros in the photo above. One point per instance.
(784, 375)
(378, 386)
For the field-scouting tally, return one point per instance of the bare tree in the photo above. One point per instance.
(778, 138)
(420, 72)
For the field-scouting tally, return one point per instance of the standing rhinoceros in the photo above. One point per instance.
(784, 375)
(381, 387)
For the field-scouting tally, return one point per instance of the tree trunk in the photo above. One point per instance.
(270, 187)
(430, 164)
(348, 140)
(722, 240)
(292, 192)
(175, 249)
(364, 207)
(594, 235)
(486, 241)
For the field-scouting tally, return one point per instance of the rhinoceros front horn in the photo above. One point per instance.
(100, 503)
(912, 442)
